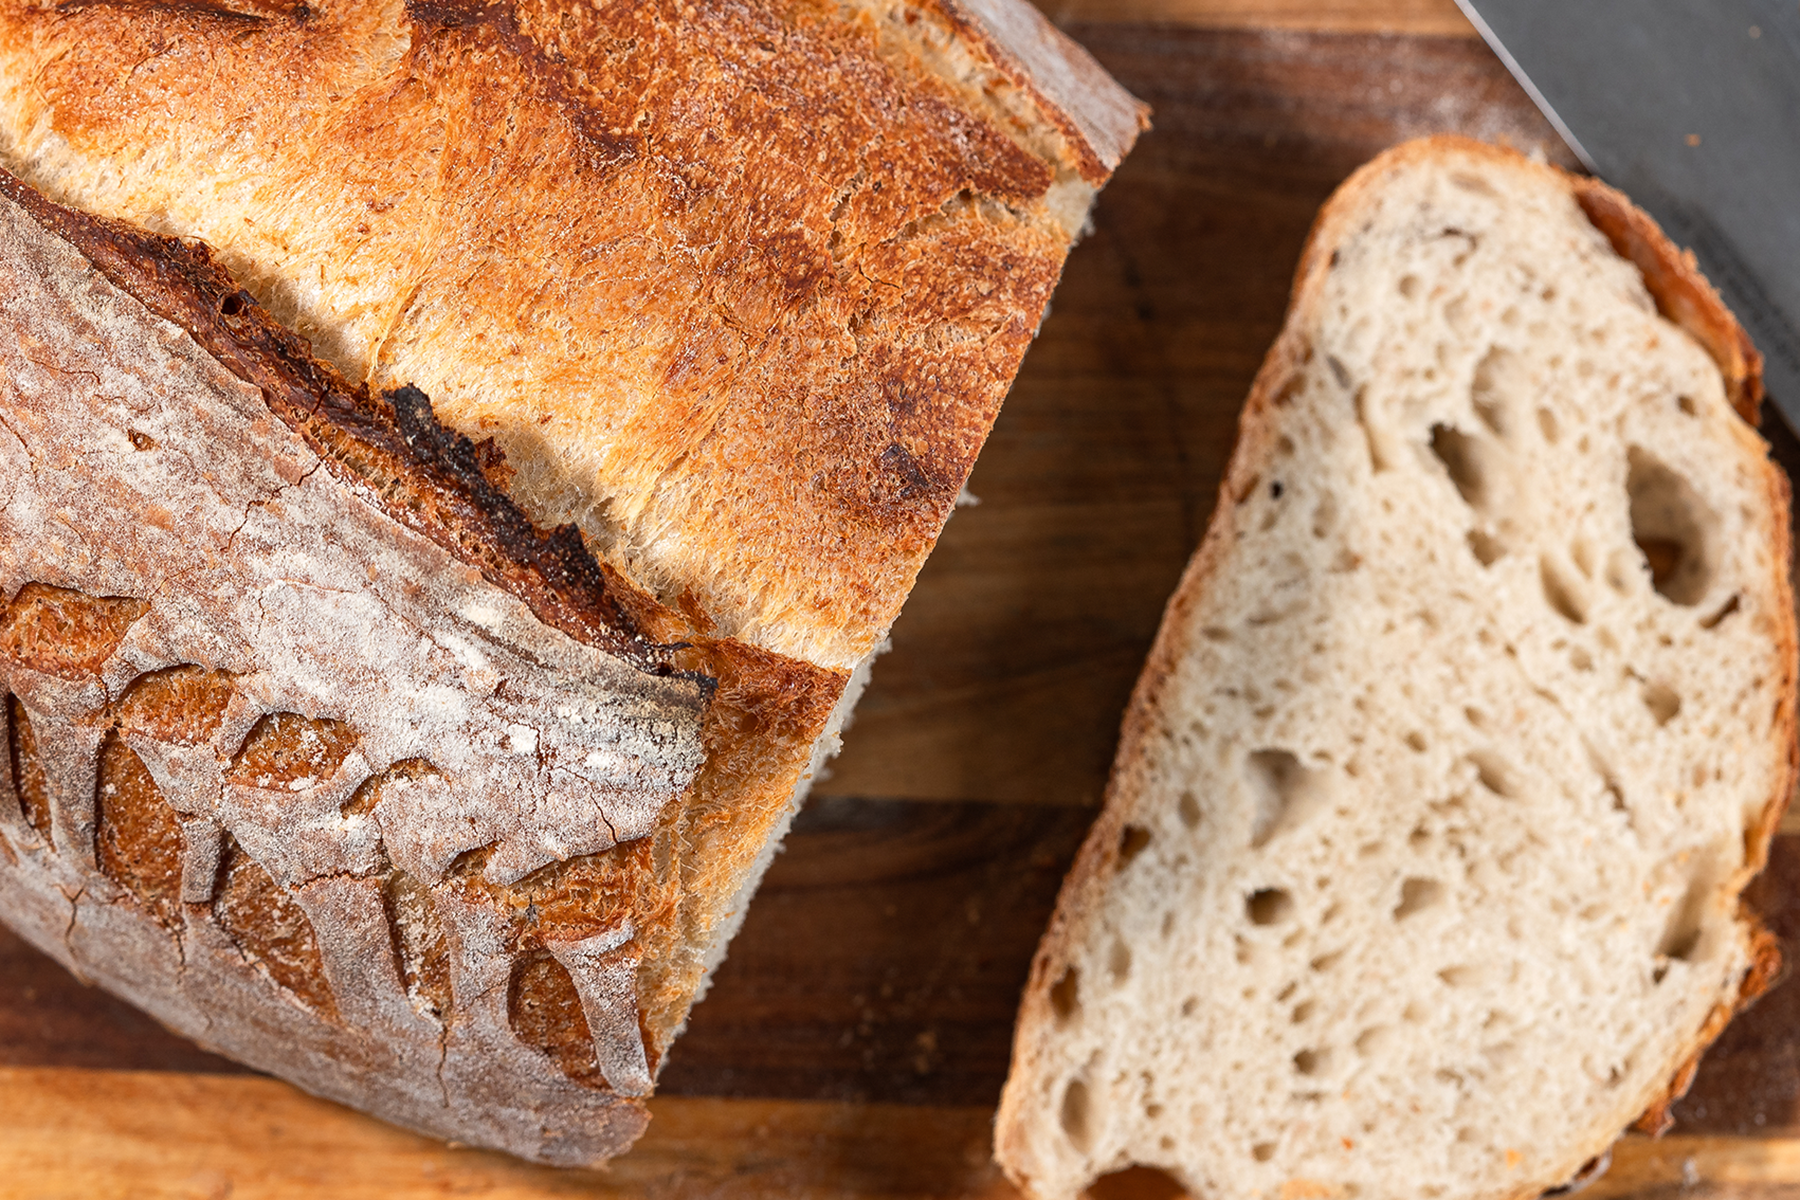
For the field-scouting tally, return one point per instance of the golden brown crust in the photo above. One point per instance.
(1684, 297)
(751, 330)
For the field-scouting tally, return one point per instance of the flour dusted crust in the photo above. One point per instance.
(738, 288)
(290, 770)
(1025, 1130)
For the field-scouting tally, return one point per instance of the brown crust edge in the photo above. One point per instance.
(1684, 297)
(1682, 293)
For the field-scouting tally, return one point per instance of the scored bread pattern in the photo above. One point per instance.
(171, 798)
(289, 775)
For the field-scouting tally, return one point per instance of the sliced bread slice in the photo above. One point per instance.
(1419, 873)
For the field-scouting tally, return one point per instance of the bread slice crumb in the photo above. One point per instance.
(1464, 732)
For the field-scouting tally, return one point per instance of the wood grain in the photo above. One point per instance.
(81, 1133)
(856, 1038)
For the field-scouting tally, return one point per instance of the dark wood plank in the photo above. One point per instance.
(883, 957)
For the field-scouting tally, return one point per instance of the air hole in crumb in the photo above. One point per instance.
(1263, 1151)
(1339, 372)
(1486, 548)
(1301, 1012)
(1662, 701)
(1547, 426)
(1687, 405)
(1074, 1113)
(1136, 1183)
(1580, 659)
(1132, 841)
(1214, 633)
(1269, 906)
(1065, 994)
(1472, 183)
(1372, 1041)
(1284, 791)
(1119, 961)
(1673, 528)
(1562, 591)
(1409, 286)
(1493, 773)
(1188, 808)
(1325, 962)
(1475, 717)
(1457, 976)
(141, 441)
(1725, 610)
(1411, 1014)
(1310, 1062)
(1417, 895)
(1189, 1005)
(1461, 456)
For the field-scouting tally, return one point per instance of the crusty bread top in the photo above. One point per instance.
(1421, 860)
(738, 289)
(322, 753)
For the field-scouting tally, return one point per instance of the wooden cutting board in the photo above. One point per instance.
(855, 1041)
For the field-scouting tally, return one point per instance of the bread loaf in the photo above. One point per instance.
(1467, 726)
(460, 460)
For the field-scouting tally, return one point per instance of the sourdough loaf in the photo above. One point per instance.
(1419, 871)
(459, 461)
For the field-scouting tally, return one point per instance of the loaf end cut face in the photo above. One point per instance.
(1471, 719)
(457, 459)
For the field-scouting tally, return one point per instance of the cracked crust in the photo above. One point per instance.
(1682, 296)
(749, 333)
